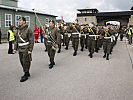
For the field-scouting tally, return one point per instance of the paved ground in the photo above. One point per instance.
(73, 78)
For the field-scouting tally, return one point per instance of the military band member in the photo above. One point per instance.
(107, 42)
(67, 35)
(75, 37)
(101, 31)
(97, 40)
(61, 31)
(53, 39)
(83, 37)
(24, 44)
(91, 40)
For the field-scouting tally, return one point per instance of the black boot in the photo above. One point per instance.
(86, 47)
(25, 77)
(96, 50)
(75, 53)
(27, 74)
(53, 63)
(82, 49)
(51, 66)
(66, 48)
(91, 56)
(59, 51)
(107, 58)
(45, 50)
(104, 55)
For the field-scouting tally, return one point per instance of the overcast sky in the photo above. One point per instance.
(68, 8)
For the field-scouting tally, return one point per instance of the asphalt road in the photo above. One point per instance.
(72, 78)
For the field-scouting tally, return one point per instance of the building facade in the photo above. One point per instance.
(87, 16)
(10, 12)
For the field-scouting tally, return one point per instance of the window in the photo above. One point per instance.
(27, 20)
(47, 20)
(8, 20)
(16, 20)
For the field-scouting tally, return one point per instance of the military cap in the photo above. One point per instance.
(23, 18)
(52, 21)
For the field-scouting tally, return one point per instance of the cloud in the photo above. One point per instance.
(68, 8)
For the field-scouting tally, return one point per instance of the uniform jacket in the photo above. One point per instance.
(54, 32)
(27, 35)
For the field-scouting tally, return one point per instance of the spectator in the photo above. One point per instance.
(36, 34)
(41, 34)
(10, 37)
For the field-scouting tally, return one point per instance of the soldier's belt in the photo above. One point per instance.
(68, 34)
(107, 37)
(22, 44)
(94, 35)
(61, 36)
(75, 33)
(83, 34)
(49, 41)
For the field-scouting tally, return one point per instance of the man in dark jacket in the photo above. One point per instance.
(53, 39)
(24, 44)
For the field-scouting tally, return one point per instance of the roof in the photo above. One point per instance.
(100, 14)
(131, 8)
(25, 10)
(87, 9)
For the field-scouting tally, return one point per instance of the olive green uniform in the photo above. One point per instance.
(75, 38)
(107, 42)
(101, 31)
(53, 35)
(61, 31)
(83, 37)
(91, 42)
(67, 35)
(27, 35)
(97, 40)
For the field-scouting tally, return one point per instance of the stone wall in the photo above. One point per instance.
(130, 20)
(87, 19)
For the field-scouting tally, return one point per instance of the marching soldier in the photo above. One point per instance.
(107, 42)
(114, 37)
(66, 37)
(97, 40)
(75, 38)
(91, 40)
(101, 31)
(24, 44)
(83, 37)
(53, 38)
(61, 30)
